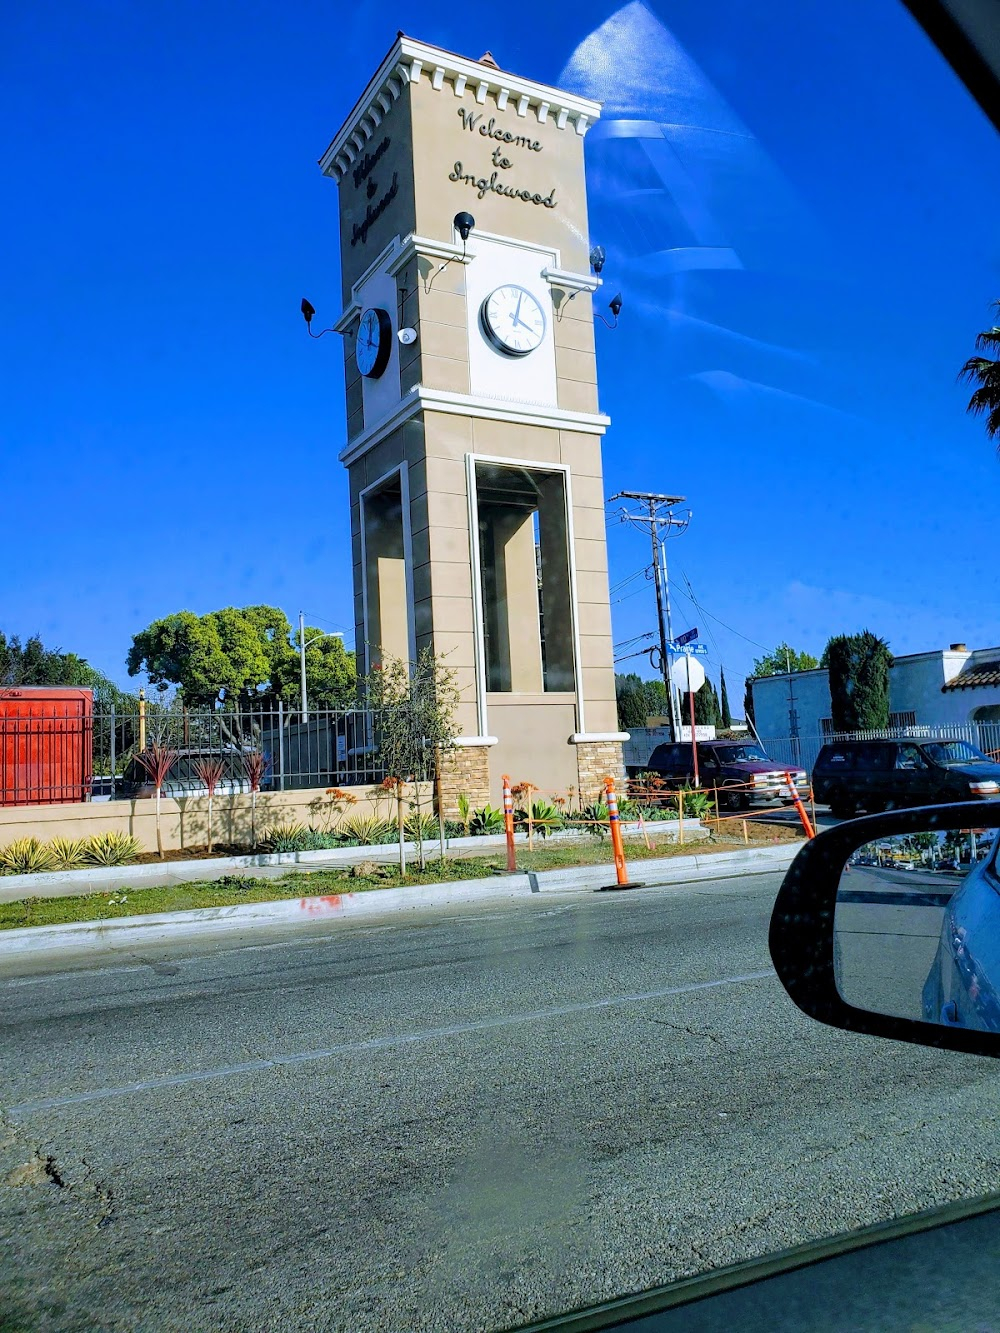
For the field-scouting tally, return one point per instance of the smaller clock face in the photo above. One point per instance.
(513, 321)
(374, 343)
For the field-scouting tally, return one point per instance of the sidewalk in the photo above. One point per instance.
(159, 927)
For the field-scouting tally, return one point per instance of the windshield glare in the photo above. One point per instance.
(954, 752)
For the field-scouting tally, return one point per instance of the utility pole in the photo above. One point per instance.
(302, 667)
(659, 518)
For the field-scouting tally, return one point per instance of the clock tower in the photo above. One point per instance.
(473, 426)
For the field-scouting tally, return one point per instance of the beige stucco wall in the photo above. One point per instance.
(533, 732)
(184, 822)
(398, 217)
(556, 171)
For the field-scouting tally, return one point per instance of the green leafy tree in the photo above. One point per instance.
(31, 663)
(331, 675)
(706, 707)
(776, 663)
(725, 714)
(638, 700)
(243, 655)
(781, 660)
(859, 681)
(984, 372)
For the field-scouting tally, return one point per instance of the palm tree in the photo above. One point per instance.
(984, 372)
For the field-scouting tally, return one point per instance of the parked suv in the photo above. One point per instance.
(878, 775)
(740, 770)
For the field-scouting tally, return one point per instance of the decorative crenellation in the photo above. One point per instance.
(597, 760)
(410, 60)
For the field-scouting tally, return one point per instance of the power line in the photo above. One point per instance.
(657, 516)
(623, 583)
(698, 607)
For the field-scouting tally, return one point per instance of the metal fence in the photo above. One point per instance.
(63, 757)
(803, 750)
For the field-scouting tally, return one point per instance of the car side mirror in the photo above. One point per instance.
(890, 926)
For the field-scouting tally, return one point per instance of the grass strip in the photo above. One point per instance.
(246, 887)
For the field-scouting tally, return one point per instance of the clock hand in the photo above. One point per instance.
(517, 312)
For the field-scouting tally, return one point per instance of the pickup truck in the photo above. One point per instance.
(740, 771)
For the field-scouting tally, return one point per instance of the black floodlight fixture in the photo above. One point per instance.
(464, 223)
(615, 306)
(308, 310)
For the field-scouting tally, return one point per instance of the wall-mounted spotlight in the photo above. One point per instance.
(615, 306)
(308, 310)
(463, 224)
(597, 258)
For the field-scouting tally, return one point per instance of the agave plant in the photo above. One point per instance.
(112, 849)
(420, 827)
(695, 803)
(26, 856)
(367, 830)
(595, 818)
(158, 760)
(488, 819)
(68, 853)
(540, 817)
(210, 769)
(285, 838)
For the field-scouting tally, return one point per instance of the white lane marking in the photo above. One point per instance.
(375, 1044)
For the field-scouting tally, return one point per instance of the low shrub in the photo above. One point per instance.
(422, 827)
(68, 853)
(697, 804)
(285, 838)
(26, 856)
(545, 818)
(112, 849)
(298, 838)
(594, 818)
(486, 820)
(367, 830)
(241, 883)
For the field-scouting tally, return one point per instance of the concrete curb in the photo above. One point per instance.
(160, 926)
(96, 879)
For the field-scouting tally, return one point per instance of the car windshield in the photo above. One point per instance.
(954, 752)
(381, 383)
(735, 754)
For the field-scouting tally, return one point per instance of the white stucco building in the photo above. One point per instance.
(945, 689)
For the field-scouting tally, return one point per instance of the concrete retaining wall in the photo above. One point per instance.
(184, 821)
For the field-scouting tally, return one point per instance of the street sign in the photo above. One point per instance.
(688, 637)
(687, 649)
(688, 674)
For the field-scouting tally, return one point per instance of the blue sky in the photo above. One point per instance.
(169, 436)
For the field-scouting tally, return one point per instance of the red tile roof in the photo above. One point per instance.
(983, 673)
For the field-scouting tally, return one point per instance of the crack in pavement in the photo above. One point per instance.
(695, 1032)
(42, 1167)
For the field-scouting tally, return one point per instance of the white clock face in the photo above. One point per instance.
(513, 321)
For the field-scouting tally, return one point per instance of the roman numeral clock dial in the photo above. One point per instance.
(513, 321)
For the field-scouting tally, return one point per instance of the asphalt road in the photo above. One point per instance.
(459, 1120)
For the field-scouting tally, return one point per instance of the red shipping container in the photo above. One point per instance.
(46, 744)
